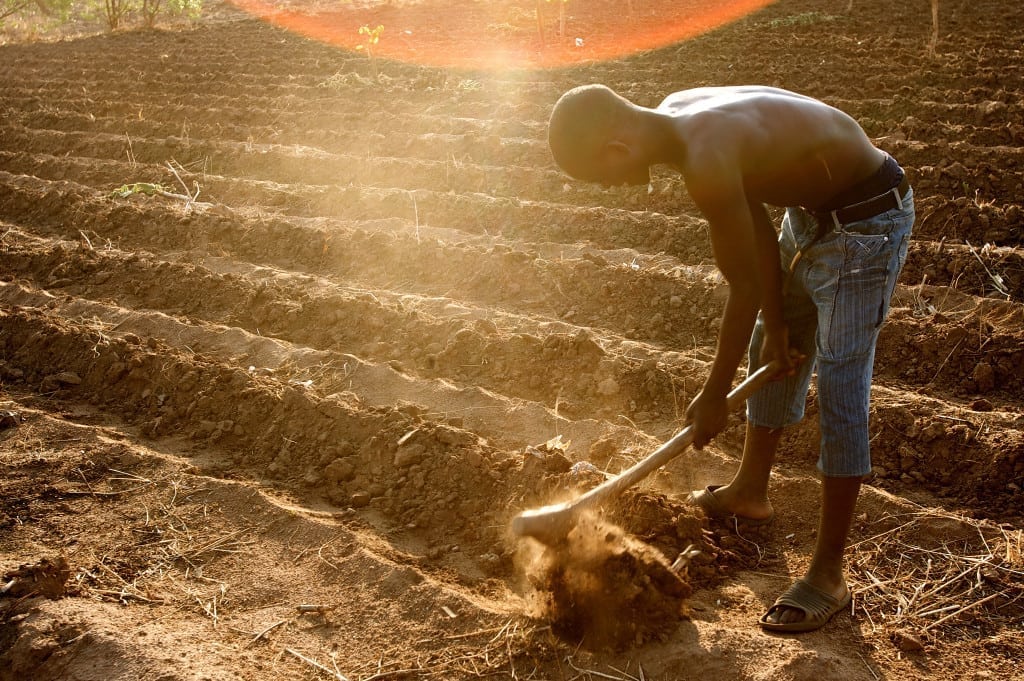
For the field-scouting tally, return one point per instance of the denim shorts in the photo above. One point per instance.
(834, 306)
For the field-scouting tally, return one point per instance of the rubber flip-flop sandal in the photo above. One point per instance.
(818, 608)
(712, 507)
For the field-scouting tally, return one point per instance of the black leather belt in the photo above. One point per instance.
(835, 219)
(864, 209)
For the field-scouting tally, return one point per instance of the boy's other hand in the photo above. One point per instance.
(708, 415)
(775, 348)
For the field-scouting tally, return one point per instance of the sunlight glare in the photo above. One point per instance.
(502, 34)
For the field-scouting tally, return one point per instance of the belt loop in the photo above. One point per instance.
(835, 221)
(899, 199)
(791, 271)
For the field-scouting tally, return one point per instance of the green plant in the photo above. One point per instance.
(372, 38)
(58, 8)
(32, 16)
(113, 13)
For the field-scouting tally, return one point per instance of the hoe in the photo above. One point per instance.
(551, 524)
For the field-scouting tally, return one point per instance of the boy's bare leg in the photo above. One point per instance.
(839, 498)
(747, 494)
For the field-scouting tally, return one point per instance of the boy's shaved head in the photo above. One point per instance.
(583, 121)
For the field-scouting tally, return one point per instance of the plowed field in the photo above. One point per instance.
(282, 327)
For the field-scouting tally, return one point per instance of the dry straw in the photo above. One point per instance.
(939, 574)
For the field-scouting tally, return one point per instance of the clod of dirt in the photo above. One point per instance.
(606, 589)
(981, 404)
(44, 578)
(9, 419)
(907, 641)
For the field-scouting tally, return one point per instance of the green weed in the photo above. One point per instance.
(372, 38)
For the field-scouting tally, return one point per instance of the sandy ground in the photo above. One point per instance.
(288, 336)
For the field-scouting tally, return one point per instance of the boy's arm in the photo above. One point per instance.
(744, 245)
(776, 336)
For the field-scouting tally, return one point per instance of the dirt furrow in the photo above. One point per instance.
(484, 147)
(311, 165)
(912, 115)
(973, 267)
(538, 285)
(565, 366)
(321, 373)
(297, 163)
(333, 98)
(980, 270)
(970, 458)
(655, 304)
(166, 389)
(179, 517)
(991, 121)
(514, 220)
(347, 92)
(289, 426)
(961, 353)
(968, 219)
(262, 113)
(337, 91)
(425, 137)
(283, 163)
(947, 343)
(387, 323)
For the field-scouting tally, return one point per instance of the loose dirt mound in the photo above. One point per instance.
(606, 589)
(288, 336)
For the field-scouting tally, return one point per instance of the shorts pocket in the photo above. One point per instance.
(893, 275)
(860, 295)
(866, 251)
(860, 247)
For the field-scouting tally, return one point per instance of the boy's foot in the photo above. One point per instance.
(804, 607)
(714, 508)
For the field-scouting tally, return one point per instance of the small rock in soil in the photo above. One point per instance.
(907, 641)
(9, 419)
(981, 404)
(56, 381)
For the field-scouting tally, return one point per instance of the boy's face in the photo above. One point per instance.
(619, 164)
(627, 176)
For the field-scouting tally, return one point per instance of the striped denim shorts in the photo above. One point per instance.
(835, 304)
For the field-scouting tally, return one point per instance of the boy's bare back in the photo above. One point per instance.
(789, 150)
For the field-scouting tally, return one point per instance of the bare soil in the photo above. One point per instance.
(287, 337)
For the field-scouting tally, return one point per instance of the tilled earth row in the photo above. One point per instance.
(380, 299)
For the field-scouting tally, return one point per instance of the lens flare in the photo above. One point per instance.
(501, 34)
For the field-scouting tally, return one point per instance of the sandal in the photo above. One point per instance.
(818, 608)
(713, 509)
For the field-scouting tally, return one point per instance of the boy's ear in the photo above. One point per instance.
(617, 150)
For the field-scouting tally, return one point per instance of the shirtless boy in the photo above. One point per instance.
(820, 289)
